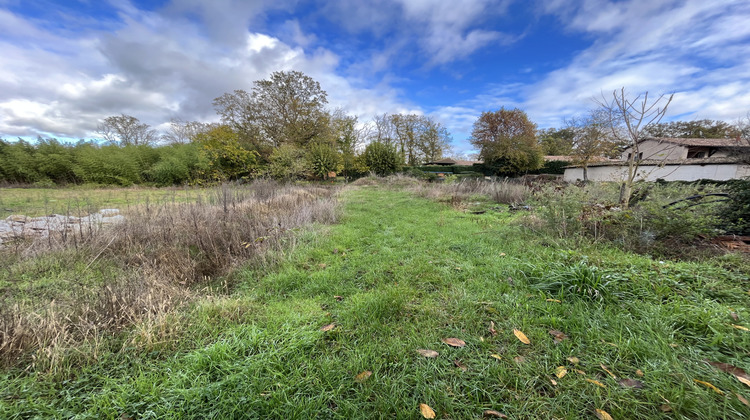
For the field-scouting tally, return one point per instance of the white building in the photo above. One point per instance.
(675, 159)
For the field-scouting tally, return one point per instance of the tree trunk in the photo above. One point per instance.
(585, 174)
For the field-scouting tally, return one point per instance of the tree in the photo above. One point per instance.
(418, 138)
(287, 162)
(556, 141)
(627, 121)
(287, 108)
(709, 129)
(382, 158)
(181, 132)
(224, 156)
(506, 140)
(590, 139)
(126, 130)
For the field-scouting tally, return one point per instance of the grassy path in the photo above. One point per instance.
(401, 273)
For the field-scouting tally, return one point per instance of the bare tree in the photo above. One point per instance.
(184, 131)
(627, 119)
(126, 130)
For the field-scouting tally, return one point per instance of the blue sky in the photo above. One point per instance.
(66, 65)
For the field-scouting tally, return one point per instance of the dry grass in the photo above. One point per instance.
(163, 255)
(503, 192)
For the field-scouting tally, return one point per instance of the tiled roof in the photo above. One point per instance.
(702, 142)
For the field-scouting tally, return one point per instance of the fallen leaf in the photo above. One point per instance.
(521, 337)
(709, 385)
(579, 371)
(608, 371)
(665, 408)
(481, 339)
(603, 415)
(426, 411)
(363, 376)
(322, 265)
(428, 353)
(574, 360)
(502, 254)
(492, 329)
(734, 316)
(454, 342)
(496, 356)
(630, 383)
(519, 359)
(553, 382)
(339, 298)
(639, 372)
(560, 372)
(595, 382)
(559, 336)
(739, 373)
(673, 345)
(460, 365)
(742, 399)
(328, 327)
(495, 414)
(740, 327)
(554, 300)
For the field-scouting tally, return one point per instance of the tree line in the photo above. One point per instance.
(282, 128)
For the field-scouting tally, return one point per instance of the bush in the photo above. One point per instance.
(735, 214)
(382, 159)
(322, 159)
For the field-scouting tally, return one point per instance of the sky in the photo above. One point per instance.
(66, 65)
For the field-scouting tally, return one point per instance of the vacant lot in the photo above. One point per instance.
(544, 328)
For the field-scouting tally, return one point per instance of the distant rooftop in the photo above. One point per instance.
(449, 162)
(702, 142)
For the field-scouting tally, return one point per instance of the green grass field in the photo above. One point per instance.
(401, 273)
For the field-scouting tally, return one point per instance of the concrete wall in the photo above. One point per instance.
(668, 172)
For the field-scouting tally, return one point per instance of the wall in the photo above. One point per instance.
(658, 150)
(718, 172)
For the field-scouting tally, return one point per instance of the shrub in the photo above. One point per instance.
(286, 162)
(735, 214)
(322, 159)
(382, 159)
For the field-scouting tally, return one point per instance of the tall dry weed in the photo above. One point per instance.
(161, 250)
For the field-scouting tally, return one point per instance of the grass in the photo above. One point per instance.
(83, 200)
(400, 273)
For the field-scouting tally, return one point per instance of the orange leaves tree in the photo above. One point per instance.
(506, 140)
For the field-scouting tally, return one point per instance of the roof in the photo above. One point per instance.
(701, 142)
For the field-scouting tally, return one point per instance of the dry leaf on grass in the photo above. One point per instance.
(496, 356)
(734, 316)
(709, 385)
(519, 359)
(597, 383)
(742, 399)
(554, 382)
(738, 373)
(579, 371)
(454, 342)
(603, 415)
(521, 337)
(630, 383)
(426, 411)
(328, 327)
(608, 371)
(559, 336)
(740, 327)
(363, 376)
(322, 265)
(492, 329)
(639, 372)
(339, 298)
(554, 300)
(460, 365)
(560, 372)
(428, 353)
(495, 414)
(665, 408)
(574, 360)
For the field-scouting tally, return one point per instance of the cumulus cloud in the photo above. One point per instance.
(155, 65)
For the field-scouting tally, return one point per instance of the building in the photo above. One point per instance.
(452, 162)
(675, 159)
